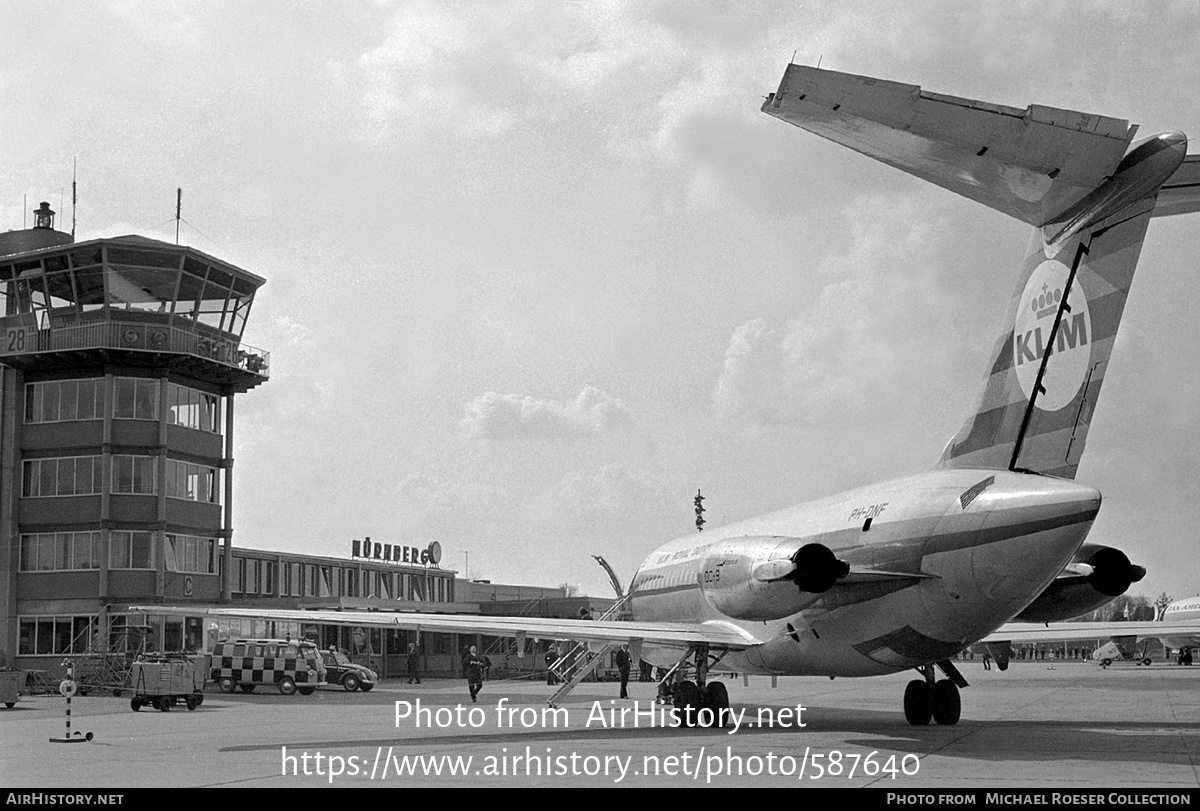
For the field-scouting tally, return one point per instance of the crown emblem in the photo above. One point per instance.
(1046, 302)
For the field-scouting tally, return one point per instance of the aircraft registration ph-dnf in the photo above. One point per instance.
(903, 575)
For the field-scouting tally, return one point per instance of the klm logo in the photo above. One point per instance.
(1068, 361)
(1072, 332)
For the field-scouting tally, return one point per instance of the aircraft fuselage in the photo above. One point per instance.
(938, 559)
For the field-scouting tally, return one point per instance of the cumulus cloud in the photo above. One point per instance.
(511, 416)
(862, 344)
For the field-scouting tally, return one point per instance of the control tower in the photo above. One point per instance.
(119, 362)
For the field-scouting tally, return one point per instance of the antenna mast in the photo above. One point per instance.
(74, 194)
(178, 208)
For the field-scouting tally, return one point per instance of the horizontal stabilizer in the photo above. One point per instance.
(1032, 163)
(1181, 193)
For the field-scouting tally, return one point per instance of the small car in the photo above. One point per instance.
(340, 670)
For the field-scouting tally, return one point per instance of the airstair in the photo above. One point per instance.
(580, 661)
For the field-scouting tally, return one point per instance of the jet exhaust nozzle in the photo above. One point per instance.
(756, 578)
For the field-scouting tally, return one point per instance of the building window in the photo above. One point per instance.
(56, 635)
(240, 586)
(191, 408)
(192, 482)
(60, 551)
(191, 553)
(64, 400)
(135, 398)
(130, 550)
(135, 474)
(268, 577)
(63, 476)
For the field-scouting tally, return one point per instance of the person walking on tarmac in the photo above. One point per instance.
(414, 664)
(474, 667)
(623, 669)
(551, 657)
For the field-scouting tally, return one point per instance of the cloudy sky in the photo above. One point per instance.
(538, 271)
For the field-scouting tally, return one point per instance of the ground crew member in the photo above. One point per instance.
(474, 667)
(623, 669)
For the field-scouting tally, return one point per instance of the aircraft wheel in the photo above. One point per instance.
(716, 698)
(687, 702)
(918, 703)
(227, 685)
(947, 704)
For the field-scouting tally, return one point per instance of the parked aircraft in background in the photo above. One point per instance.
(1177, 627)
(905, 574)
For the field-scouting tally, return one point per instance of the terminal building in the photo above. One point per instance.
(120, 361)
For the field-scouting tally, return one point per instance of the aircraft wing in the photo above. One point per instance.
(718, 635)
(1019, 632)
(1032, 163)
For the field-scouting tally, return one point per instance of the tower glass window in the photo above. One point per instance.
(135, 399)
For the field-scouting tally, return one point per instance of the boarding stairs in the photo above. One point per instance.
(504, 649)
(580, 661)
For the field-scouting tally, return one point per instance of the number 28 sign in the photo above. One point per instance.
(16, 339)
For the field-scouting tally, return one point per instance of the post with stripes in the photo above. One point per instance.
(67, 688)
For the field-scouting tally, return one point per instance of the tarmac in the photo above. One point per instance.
(1040, 725)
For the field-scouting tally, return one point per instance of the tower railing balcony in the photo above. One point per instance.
(132, 332)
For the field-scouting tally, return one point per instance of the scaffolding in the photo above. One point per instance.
(110, 668)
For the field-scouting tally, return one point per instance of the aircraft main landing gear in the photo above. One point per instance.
(699, 702)
(929, 699)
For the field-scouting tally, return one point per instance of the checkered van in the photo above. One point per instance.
(291, 666)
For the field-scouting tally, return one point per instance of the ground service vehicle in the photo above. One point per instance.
(288, 664)
(163, 680)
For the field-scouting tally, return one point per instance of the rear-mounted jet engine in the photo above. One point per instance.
(767, 578)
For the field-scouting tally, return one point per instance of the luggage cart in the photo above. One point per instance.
(162, 680)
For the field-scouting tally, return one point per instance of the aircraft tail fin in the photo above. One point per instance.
(1090, 197)
(1049, 364)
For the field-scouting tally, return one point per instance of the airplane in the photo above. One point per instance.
(904, 574)
(1175, 627)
